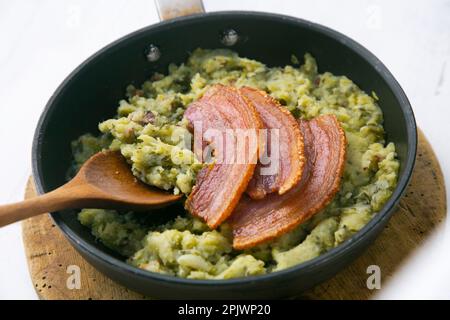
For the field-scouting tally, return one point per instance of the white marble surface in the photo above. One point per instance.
(42, 41)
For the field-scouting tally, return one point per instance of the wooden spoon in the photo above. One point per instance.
(105, 181)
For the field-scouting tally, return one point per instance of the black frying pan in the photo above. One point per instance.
(90, 94)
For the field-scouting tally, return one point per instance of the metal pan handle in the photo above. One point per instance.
(168, 9)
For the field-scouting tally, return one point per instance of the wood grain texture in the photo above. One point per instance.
(420, 211)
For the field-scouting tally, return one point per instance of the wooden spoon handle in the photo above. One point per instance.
(65, 197)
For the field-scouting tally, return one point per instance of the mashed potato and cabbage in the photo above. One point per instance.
(150, 132)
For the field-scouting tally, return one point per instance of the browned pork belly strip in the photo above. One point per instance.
(288, 159)
(219, 186)
(258, 221)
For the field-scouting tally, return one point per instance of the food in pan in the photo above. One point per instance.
(335, 172)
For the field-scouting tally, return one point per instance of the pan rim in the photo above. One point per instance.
(312, 264)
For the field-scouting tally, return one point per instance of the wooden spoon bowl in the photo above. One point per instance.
(105, 181)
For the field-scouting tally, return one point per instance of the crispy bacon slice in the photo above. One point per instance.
(258, 221)
(288, 160)
(219, 186)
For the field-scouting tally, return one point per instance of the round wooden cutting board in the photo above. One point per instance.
(51, 259)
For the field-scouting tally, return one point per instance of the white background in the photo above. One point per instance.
(41, 42)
